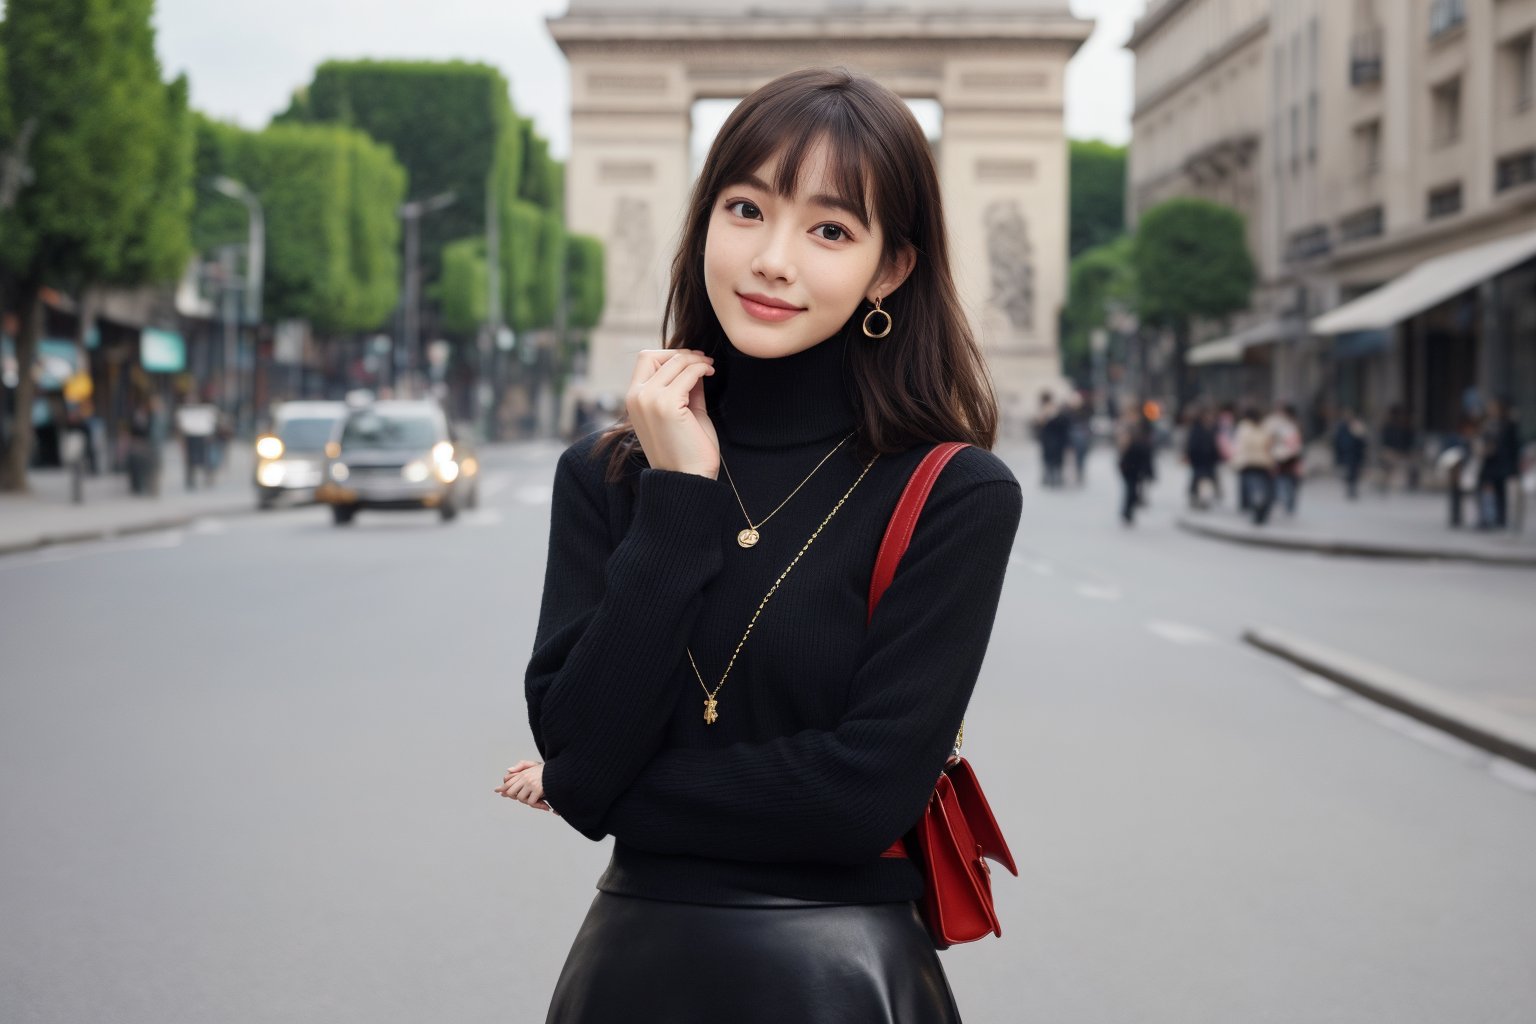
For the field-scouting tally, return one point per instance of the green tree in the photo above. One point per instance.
(1101, 278)
(464, 286)
(1191, 259)
(329, 196)
(1096, 208)
(108, 202)
(583, 281)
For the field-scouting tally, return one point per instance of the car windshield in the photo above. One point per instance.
(306, 435)
(370, 430)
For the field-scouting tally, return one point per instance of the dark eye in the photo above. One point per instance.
(748, 208)
(838, 234)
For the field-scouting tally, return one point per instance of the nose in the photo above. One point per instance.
(774, 261)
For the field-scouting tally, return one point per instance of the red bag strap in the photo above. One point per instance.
(904, 520)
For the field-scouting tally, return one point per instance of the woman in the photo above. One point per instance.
(703, 685)
(1255, 465)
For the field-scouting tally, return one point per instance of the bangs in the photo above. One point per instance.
(822, 116)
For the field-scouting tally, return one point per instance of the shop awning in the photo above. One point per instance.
(1231, 348)
(1427, 285)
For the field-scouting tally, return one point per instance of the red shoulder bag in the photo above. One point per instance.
(957, 831)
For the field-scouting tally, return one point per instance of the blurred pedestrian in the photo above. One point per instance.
(1459, 463)
(1079, 436)
(1285, 446)
(1052, 430)
(1501, 464)
(1350, 440)
(1398, 456)
(1203, 454)
(196, 424)
(1255, 465)
(1136, 467)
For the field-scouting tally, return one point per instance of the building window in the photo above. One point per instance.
(1368, 149)
(1312, 129)
(1519, 73)
(1515, 170)
(1295, 137)
(1446, 16)
(1365, 224)
(1445, 102)
(1365, 58)
(1444, 201)
(1308, 243)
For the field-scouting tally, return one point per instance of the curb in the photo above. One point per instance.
(1483, 727)
(1356, 549)
(175, 522)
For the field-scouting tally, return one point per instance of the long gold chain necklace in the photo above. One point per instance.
(749, 537)
(711, 705)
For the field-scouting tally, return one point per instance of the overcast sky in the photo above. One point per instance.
(245, 59)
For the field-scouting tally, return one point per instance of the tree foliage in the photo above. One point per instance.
(329, 196)
(1101, 278)
(108, 200)
(1192, 260)
(1097, 194)
(584, 281)
(463, 286)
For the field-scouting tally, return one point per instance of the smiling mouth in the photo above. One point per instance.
(763, 311)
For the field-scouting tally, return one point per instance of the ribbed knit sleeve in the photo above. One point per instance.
(613, 623)
(843, 795)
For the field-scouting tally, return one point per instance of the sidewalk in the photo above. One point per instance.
(1395, 525)
(46, 515)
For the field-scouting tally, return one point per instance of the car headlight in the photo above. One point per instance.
(270, 474)
(339, 471)
(448, 471)
(269, 447)
(416, 471)
(442, 452)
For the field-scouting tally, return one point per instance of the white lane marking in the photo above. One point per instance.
(1097, 593)
(535, 494)
(1178, 633)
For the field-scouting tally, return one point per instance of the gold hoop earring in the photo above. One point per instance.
(889, 323)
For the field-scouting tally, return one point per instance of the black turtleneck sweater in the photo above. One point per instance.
(830, 733)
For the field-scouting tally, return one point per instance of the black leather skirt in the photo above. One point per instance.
(643, 961)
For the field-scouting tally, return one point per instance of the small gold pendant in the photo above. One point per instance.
(709, 712)
(747, 538)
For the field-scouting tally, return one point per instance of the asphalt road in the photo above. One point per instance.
(246, 771)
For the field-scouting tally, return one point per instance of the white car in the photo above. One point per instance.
(290, 458)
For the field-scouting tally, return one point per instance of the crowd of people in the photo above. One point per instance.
(1269, 452)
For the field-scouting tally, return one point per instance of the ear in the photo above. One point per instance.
(893, 274)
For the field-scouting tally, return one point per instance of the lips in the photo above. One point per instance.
(765, 307)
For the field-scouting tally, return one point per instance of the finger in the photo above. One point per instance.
(649, 361)
(672, 369)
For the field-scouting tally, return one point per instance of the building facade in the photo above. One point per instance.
(1395, 134)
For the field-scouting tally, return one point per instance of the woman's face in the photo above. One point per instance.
(782, 274)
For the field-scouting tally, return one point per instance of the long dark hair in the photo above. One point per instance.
(926, 382)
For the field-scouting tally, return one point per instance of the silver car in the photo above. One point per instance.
(290, 458)
(399, 454)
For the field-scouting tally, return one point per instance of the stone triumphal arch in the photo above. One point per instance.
(996, 67)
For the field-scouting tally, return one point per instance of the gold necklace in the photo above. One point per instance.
(749, 537)
(711, 705)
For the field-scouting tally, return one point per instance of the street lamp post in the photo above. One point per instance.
(255, 264)
(404, 361)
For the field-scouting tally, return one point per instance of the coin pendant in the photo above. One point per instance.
(747, 538)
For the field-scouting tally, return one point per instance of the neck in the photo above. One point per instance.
(797, 399)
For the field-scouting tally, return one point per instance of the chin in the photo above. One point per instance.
(762, 341)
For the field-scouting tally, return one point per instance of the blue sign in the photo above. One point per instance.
(162, 351)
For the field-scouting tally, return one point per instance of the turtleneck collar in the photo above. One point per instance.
(774, 403)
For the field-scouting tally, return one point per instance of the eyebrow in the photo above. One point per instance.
(820, 199)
